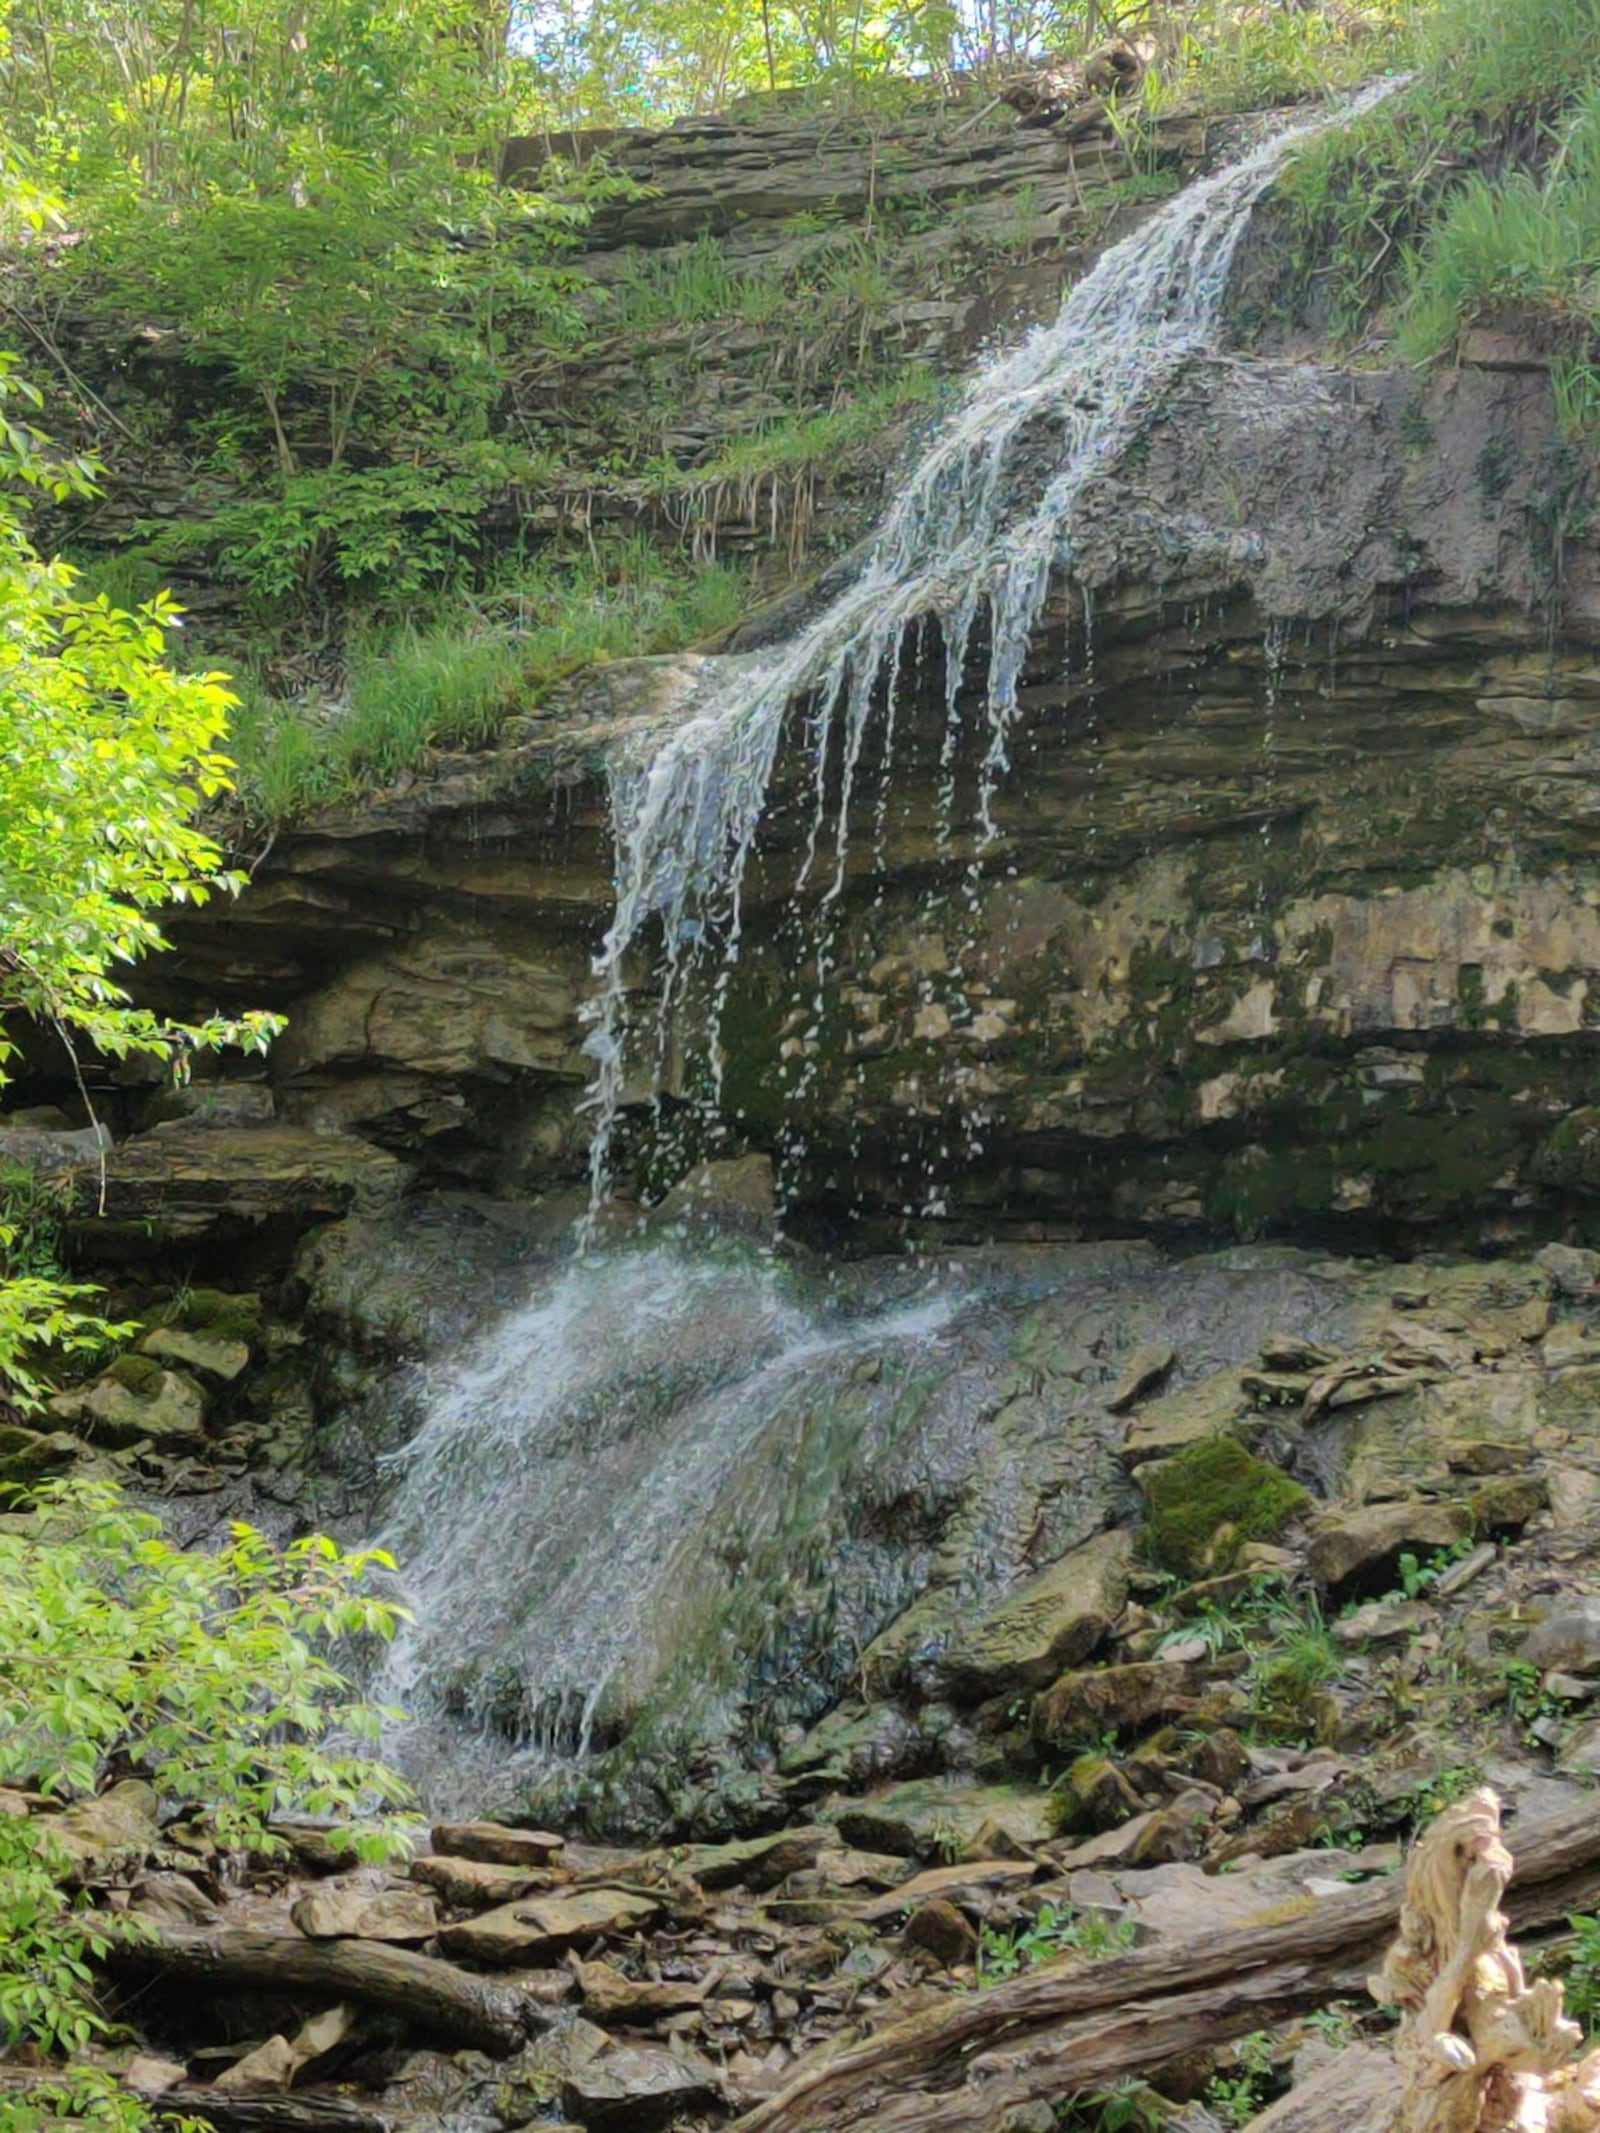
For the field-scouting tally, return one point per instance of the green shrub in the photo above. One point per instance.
(208, 1676)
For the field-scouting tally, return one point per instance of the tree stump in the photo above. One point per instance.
(1478, 2049)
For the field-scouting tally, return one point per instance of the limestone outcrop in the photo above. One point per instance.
(1292, 920)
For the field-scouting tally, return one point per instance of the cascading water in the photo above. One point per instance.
(572, 1489)
(978, 528)
(616, 1455)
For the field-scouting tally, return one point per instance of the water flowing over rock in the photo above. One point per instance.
(978, 529)
(601, 1470)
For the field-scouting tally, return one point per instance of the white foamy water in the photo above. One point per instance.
(578, 1467)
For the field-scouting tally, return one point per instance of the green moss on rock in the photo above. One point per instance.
(1209, 1499)
(140, 1374)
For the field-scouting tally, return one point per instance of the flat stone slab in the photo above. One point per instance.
(929, 1815)
(1187, 1416)
(1051, 1623)
(496, 1844)
(404, 1916)
(540, 1927)
(637, 2088)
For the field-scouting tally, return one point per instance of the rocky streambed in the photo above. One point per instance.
(1318, 1589)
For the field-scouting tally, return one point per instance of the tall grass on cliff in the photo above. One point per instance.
(1519, 244)
(455, 683)
(1464, 192)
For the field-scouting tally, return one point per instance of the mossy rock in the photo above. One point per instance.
(1206, 1501)
(28, 1455)
(1570, 1157)
(137, 1373)
(221, 1313)
(1094, 1795)
(1507, 1502)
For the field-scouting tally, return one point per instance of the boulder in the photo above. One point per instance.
(609, 1996)
(475, 1884)
(853, 1747)
(1117, 1698)
(1507, 1502)
(1052, 1622)
(1187, 1416)
(637, 2088)
(28, 1455)
(939, 1929)
(496, 1844)
(539, 1928)
(118, 1828)
(1382, 1622)
(1351, 1543)
(755, 1862)
(163, 1407)
(1573, 1271)
(736, 1195)
(933, 1816)
(1095, 1794)
(1569, 1638)
(405, 1916)
(1208, 1499)
(169, 1899)
(206, 1354)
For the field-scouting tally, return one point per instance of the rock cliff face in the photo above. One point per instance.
(1292, 923)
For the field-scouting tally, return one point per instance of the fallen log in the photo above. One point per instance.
(433, 1995)
(221, 2112)
(1070, 2025)
(268, 2114)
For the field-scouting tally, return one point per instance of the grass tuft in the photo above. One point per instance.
(454, 684)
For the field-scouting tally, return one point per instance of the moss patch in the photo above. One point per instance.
(222, 1313)
(1207, 1500)
(136, 1373)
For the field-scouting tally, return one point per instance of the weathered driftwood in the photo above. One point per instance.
(1069, 2026)
(434, 1996)
(1478, 2049)
(269, 2114)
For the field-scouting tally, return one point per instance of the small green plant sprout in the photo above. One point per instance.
(1418, 1577)
(1335, 2025)
(1237, 2094)
(1129, 2106)
(1057, 1930)
(1533, 1710)
(1583, 1969)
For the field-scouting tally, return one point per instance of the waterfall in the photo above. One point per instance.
(621, 1490)
(977, 529)
(595, 1473)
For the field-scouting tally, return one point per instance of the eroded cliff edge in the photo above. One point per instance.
(1291, 925)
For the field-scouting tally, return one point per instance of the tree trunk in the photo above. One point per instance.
(434, 1995)
(269, 2114)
